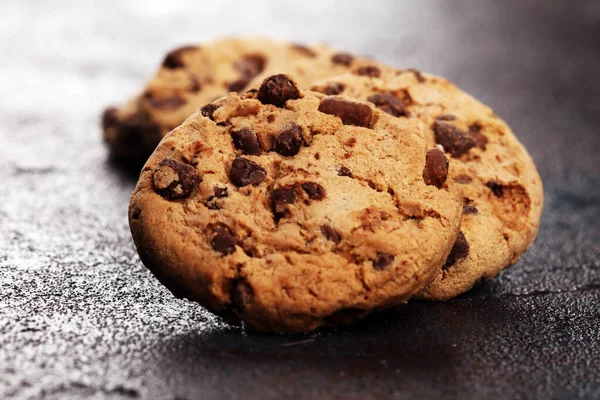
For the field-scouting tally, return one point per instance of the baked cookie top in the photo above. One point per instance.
(290, 209)
(491, 170)
(192, 76)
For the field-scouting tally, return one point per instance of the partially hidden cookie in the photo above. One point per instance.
(192, 76)
(492, 171)
(289, 209)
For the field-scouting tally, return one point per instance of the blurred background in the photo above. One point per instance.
(81, 317)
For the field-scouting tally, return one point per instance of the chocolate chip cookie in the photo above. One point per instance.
(497, 179)
(289, 209)
(192, 76)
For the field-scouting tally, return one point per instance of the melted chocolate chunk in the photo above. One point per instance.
(459, 251)
(382, 260)
(223, 240)
(455, 141)
(314, 190)
(388, 103)
(246, 140)
(174, 58)
(208, 110)
(289, 141)
(418, 75)
(333, 89)
(251, 65)
(331, 234)
(496, 188)
(351, 113)
(195, 85)
(245, 172)
(221, 191)
(369, 70)
(175, 180)
(342, 58)
(345, 171)
(307, 51)
(238, 85)
(277, 89)
(446, 117)
(470, 209)
(280, 198)
(436, 168)
(167, 103)
(241, 295)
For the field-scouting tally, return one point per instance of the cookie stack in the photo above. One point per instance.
(295, 186)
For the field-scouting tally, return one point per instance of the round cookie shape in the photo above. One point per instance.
(492, 172)
(192, 76)
(307, 211)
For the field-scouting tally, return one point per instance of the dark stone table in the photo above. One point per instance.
(81, 317)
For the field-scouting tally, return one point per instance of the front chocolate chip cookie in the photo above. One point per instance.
(312, 210)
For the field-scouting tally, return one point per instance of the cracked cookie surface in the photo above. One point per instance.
(490, 169)
(289, 209)
(192, 76)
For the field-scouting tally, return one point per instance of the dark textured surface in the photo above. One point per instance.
(81, 317)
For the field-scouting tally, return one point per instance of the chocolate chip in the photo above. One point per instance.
(388, 103)
(369, 70)
(459, 251)
(470, 209)
(344, 171)
(436, 168)
(314, 190)
(174, 180)
(304, 50)
(333, 89)
(281, 197)
(446, 117)
(208, 110)
(174, 59)
(251, 65)
(238, 85)
(221, 191)
(342, 58)
(496, 188)
(167, 103)
(331, 234)
(349, 112)
(241, 295)
(475, 127)
(135, 212)
(418, 75)
(245, 172)
(455, 141)
(246, 140)
(277, 89)
(382, 260)
(271, 118)
(289, 141)
(110, 117)
(463, 179)
(345, 316)
(350, 142)
(480, 139)
(223, 240)
(195, 85)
